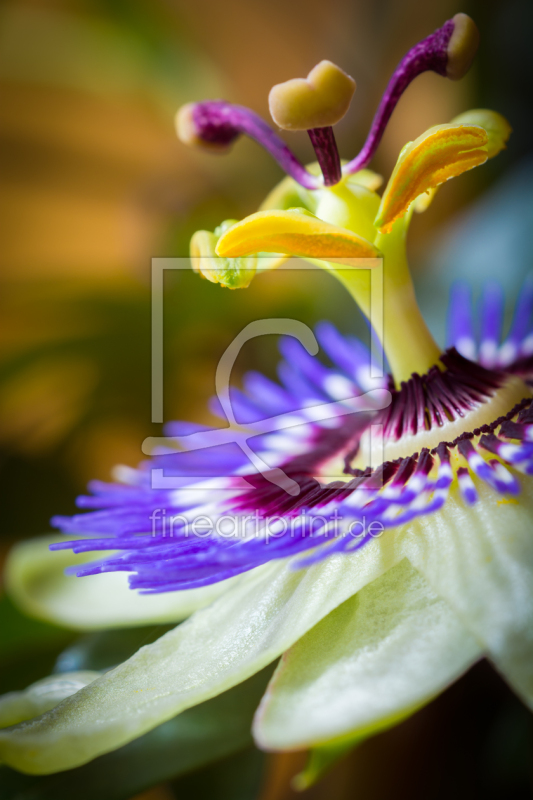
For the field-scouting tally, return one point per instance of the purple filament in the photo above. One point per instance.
(430, 400)
(218, 122)
(323, 141)
(429, 54)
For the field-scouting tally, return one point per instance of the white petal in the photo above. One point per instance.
(480, 559)
(36, 581)
(42, 696)
(372, 661)
(218, 647)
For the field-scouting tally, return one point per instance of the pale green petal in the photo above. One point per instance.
(480, 560)
(42, 696)
(36, 581)
(383, 653)
(218, 647)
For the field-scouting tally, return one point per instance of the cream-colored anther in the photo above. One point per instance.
(318, 101)
(462, 46)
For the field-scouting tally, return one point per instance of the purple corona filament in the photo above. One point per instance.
(429, 54)
(220, 123)
(323, 141)
(125, 523)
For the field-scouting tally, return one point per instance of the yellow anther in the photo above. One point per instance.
(295, 232)
(318, 101)
(232, 273)
(498, 131)
(441, 153)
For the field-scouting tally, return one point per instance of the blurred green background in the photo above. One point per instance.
(95, 184)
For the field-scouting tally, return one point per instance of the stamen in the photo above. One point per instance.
(215, 125)
(448, 51)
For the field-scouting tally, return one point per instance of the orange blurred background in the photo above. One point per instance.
(96, 184)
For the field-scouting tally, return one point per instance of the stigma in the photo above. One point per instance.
(318, 102)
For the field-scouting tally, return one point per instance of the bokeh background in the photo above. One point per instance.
(95, 184)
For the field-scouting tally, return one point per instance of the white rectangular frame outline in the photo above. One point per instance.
(158, 267)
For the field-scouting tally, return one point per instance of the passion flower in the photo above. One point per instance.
(378, 587)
